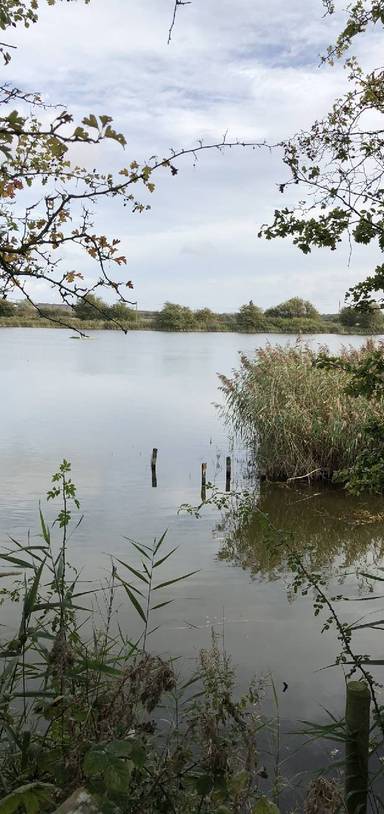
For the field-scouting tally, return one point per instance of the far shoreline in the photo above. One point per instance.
(81, 327)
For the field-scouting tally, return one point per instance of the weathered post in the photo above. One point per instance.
(153, 467)
(228, 474)
(357, 746)
(203, 482)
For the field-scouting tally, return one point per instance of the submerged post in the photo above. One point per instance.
(153, 467)
(357, 746)
(228, 474)
(203, 482)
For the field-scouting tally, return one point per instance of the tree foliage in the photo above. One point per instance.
(6, 308)
(36, 148)
(250, 318)
(294, 307)
(370, 320)
(338, 164)
(175, 317)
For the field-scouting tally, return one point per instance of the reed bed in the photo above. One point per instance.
(296, 415)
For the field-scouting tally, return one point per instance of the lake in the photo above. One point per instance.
(104, 403)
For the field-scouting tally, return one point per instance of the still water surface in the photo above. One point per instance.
(104, 403)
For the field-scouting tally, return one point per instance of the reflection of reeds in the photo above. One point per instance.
(298, 414)
(327, 528)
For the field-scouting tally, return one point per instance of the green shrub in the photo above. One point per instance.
(297, 416)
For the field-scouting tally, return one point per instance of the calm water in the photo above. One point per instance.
(104, 403)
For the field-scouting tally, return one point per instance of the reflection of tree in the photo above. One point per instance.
(327, 528)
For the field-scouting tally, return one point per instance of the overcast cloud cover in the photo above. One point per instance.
(245, 66)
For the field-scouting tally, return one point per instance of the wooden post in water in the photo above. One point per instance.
(203, 482)
(228, 474)
(357, 746)
(153, 467)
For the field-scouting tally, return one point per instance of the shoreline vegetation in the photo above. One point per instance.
(294, 316)
(309, 416)
(90, 715)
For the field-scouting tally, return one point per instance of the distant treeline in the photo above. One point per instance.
(292, 316)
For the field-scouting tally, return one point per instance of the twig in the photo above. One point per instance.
(176, 6)
(307, 475)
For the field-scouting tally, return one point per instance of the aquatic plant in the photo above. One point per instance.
(298, 417)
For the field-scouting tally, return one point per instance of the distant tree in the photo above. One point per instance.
(53, 312)
(90, 307)
(25, 309)
(369, 320)
(175, 317)
(250, 318)
(121, 312)
(205, 319)
(349, 317)
(7, 309)
(295, 307)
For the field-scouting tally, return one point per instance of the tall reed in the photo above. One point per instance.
(296, 415)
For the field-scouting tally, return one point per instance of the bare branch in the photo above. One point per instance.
(175, 9)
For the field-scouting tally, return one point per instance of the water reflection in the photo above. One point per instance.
(333, 531)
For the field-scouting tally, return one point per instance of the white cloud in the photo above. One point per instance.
(246, 68)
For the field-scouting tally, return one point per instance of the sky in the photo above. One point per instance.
(246, 67)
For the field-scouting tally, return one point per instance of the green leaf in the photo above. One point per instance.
(99, 667)
(81, 134)
(204, 784)
(91, 121)
(133, 570)
(162, 538)
(163, 559)
(172, 581)
(265, 806)
(117, 775)
(127, 749)
(238, 782)
(94, 761)
(136, 604)
(143, 549)
(15, 561)
(9, 574)
(162, 604)
(44, 528)
(30, 598)
(32, 797)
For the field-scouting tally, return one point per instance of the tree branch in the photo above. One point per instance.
(176, 6)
